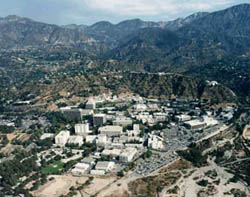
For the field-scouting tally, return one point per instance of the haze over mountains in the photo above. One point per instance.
(213, 45)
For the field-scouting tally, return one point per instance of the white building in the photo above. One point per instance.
(140, 107)
(47, 135)
(97, 172)
(155, 142)
(106, 166)
(128, 154)
(111, 152)
(123, 121)
(133, 132)
(62, 138)
(75, 139)
(182, 118)
(82, 129)
(195, 124)
(133, 145)
(88, 160)
(80, 168)
(210, 121)
(102, 139)
(136, 127)
(111, 131)
(91, 138)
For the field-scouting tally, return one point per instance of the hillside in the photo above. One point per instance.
(196, 45)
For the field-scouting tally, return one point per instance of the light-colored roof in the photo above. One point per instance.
(99, 115)
(195, 122)
(88, 160)
(82, 166)
(110, 128)
(104, 164)
(128, 151)
(47, 135)
(111, 152)
(75, 139)
(63, 133)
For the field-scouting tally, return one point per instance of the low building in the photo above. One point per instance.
(140, 107)
(99, 119)
(195, 124)
(134, 145)
(133, 132)
(91, 139)
(111, 131)
(75, 139)
(123, 121)
(80, 169)
(117, 145)
(88, 160)
(82, 129)
(97, 172)
(111, 152)
(136, 127)
(182, 118)
(210, 121)
(62, 138)
(102, 139)
(128, 155)
(47, 135)
(106, 166)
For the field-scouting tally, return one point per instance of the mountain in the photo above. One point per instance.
(19, 32)
(195, 45)
(213, 36)
(180, 22)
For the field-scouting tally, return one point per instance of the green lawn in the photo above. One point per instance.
(53, 168)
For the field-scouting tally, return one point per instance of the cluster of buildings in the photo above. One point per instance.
(120, 136)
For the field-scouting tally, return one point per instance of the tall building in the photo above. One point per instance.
(155, 142)
(99, 119)
(82, 129)
(73, 113)
(62, 138)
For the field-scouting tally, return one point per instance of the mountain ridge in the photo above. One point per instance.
(201, 40)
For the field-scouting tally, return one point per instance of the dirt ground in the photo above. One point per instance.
(98, 184)
(60, 185)
(11, 136)
(119, 188)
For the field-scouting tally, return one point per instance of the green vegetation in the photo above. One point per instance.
(202, 183)
(22, 165)
(6, 129)
(54, 168)
(194, 155)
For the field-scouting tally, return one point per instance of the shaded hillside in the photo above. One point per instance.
(147, 85)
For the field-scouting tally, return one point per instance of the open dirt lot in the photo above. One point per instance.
(59, 186)
(99, 183)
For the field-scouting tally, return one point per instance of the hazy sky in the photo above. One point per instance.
(90, 11)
